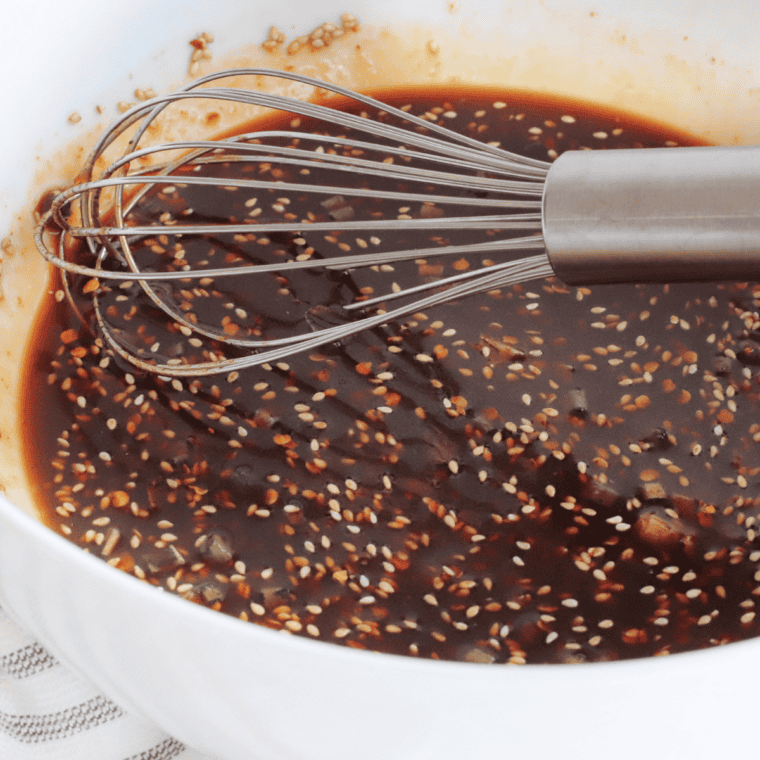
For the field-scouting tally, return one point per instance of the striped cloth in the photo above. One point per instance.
(49, 713)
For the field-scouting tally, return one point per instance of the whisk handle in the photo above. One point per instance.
(654, 215)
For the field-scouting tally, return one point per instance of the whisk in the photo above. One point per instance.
(654, 215)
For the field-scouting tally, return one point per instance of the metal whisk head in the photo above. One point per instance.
(456, 182)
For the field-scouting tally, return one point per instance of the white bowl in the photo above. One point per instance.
(240, 691)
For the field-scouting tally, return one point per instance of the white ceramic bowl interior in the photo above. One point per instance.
(248, 693)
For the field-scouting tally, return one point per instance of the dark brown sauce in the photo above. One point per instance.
(539, 474)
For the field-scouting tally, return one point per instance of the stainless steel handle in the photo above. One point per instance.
(654, 215)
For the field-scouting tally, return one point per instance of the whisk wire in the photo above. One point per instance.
(154, 107)
(438, 160)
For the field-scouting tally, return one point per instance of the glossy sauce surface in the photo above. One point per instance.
(538, 474)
